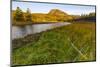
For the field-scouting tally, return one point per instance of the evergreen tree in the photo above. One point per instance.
(19, 15)
(28, 15)
(92, 14)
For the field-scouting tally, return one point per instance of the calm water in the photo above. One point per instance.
(21, 31)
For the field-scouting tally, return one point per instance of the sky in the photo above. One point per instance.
(46, 7)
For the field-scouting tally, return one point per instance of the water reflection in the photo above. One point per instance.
(21, 31)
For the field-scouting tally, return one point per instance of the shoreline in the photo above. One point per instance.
(18, 23)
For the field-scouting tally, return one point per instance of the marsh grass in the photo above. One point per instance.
(56, 46)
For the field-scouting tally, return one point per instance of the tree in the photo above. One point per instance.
(92, 14)
(28, 15)
(19, 16)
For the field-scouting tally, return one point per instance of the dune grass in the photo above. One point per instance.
(71, 43)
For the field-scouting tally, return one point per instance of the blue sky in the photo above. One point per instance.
(46, 7)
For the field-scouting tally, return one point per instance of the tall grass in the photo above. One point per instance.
(72, 43)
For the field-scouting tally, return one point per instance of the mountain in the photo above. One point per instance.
(57, 12)
(60, 15)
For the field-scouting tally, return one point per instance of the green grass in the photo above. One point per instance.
(75, 42)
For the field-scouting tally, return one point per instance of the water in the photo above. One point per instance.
(22, 31)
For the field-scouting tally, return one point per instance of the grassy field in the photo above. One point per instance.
(71, 43)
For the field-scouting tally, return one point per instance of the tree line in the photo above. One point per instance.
(20, 16)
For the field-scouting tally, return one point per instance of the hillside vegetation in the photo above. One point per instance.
(55, 15)
(72, 43)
